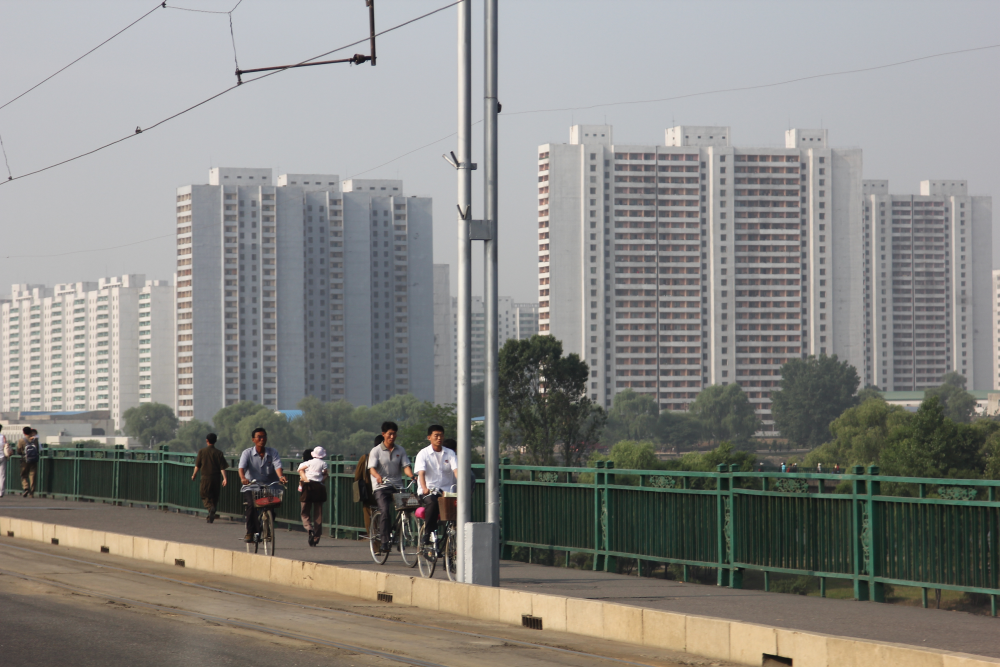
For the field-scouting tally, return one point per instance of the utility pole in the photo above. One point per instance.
(464, 340)
(492, 417)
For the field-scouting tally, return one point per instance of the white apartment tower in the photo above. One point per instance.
(87, 346)
(444, 338)
(995, 298)
(514, 320)
(301, 288)
(929, 280)
(670, 268)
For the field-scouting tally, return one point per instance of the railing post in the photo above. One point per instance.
(722, 524)
(116, 473)
(736, 574)
(598, 524)
(877, 588)
(161, 476)
(607, 511)
(333, 507)
(77, 455)
(861, 532)
(505, 550)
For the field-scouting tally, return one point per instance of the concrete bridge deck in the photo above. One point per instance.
(946, 630)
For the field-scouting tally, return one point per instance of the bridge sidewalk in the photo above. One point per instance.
(947, 630)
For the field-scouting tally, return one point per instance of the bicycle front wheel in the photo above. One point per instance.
(374, 542)
(267, 532)
(427, 555)
(408, 537)
(451, 554)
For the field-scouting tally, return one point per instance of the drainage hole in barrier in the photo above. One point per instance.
(533, 622)
(179, 562)
(384, 597)
(10, 533)
(105, 550)
(55, 540)
(769, 660)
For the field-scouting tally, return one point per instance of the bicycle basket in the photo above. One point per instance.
(406, 500)
(268, 497)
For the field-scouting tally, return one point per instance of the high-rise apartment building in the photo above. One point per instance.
(995, 307)
(514, 320)
(670, 268)
(87, 346)
(929, 265)
(307, 287)
(444, 338)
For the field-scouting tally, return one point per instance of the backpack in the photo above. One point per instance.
(31, 452)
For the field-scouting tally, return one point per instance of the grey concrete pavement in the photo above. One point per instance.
(66, 607)
(947, 630)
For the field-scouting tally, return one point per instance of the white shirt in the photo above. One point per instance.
(3, 447)
(438, 467)
(313, 469)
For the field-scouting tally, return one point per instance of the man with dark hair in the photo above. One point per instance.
(260, 465)
(29, 450)
(212, 464)
(385, 463)
(437, 472)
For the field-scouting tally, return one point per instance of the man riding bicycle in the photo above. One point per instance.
(386, 462)
(260, 466)
(436, 468)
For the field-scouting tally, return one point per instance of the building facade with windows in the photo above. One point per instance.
(930, 286)
(87, 346)
(445, 388)
(514, 320)
(310, 287)
(670, 268)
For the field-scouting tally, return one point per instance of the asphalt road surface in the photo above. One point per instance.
(62, 606)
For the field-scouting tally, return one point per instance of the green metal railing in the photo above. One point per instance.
(928, 533)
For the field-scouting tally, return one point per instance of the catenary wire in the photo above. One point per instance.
(6, 162)
(158, 6)
(701, 94)
(140, 130)
(77, 252)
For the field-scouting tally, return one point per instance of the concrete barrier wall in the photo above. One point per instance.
(716, 638)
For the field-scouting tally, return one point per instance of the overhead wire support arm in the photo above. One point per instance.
(356, 59)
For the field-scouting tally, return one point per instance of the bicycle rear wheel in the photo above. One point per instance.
(451, 553)
(408, 536)
(427, 555)
(267, 532)
(374, 543)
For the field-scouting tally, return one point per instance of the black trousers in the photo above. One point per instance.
(383, 498)
(431, 513)
(249, 512)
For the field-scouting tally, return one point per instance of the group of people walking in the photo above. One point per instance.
(29, 450)
(379, 475)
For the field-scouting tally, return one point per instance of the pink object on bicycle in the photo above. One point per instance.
(420, 513)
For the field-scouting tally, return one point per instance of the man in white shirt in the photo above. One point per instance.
(437, 472)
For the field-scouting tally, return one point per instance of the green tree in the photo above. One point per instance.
(678, 429)
(958, 404)
(190, 436)
(537, 383)
(813, 393)
(725, 413)
(150, 421)
(710, 461)
(280, 434)
(860, 435)
(871, 391)
(580, 427)
(632, 416)
(932, 445)
(225, 421)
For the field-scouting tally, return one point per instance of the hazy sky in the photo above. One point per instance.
(931, 119)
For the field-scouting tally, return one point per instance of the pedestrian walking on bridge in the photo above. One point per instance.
(212, 464)
(28, 448)
(312, 474)
(5, 453)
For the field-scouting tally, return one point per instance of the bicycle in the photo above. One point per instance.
(403, 531)
(266, 500)
(437, 547)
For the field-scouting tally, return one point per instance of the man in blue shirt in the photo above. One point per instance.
(262, 465)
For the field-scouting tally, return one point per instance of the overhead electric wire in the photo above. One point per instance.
(10, 176)
(207, 11)
(703, 93)
(77, 252)
(158, 5)
(140, 129)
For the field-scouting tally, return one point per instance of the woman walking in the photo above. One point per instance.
(312, 474)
